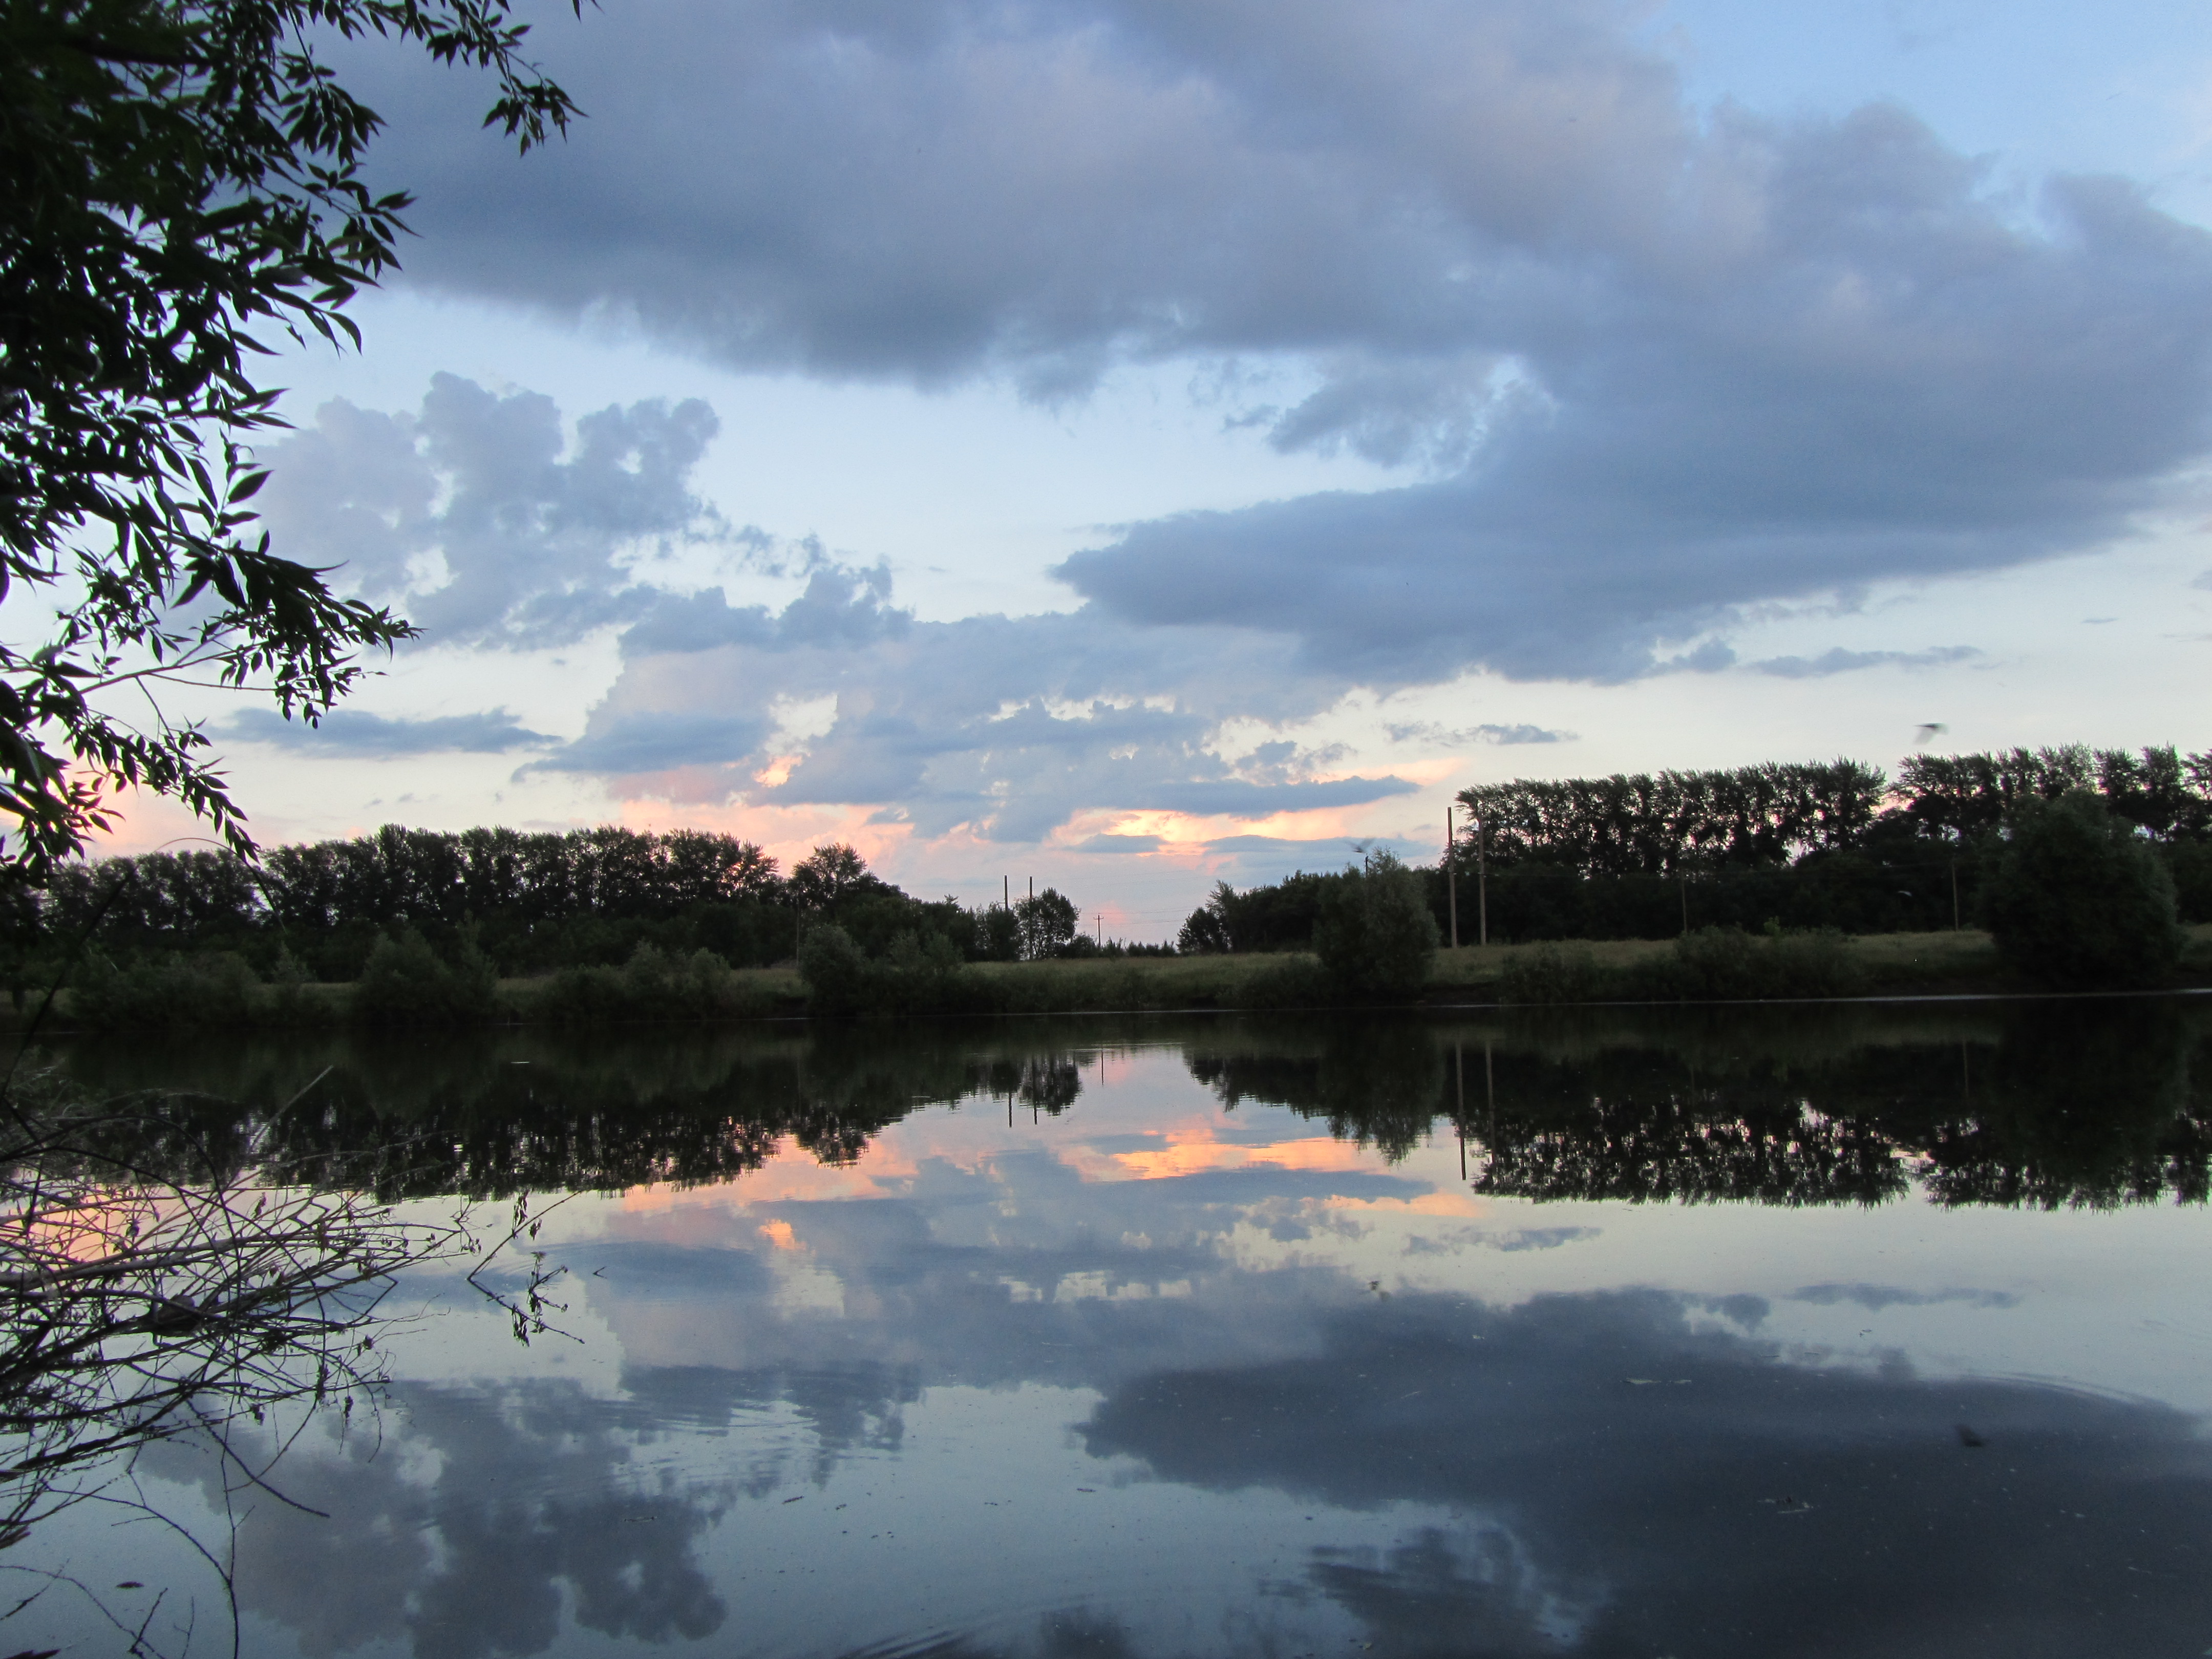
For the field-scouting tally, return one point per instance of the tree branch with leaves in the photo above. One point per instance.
(181, 185)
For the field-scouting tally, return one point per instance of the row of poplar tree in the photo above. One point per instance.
(1821, 844)
(531, 902)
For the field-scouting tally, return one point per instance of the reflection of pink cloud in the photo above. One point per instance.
(1192, 1147)
(791, 1175)
(1443, 1202)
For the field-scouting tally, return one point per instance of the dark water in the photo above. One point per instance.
(1851, 1332)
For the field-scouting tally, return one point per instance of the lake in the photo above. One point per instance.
(1854, 1330)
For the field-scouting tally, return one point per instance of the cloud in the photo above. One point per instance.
(479, 517)
(1430, 732)
(351, 733)
(1840, 661)
(1657, 367)
(1009, 726)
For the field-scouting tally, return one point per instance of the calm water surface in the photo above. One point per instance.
(1850, 1333)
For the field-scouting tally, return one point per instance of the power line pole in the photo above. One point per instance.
(1451, 877)
(1482, 876)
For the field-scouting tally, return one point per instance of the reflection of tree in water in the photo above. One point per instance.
(1689, 1148)
(1378, 1083)
(2090, 1106)
(409, 1118)
(2058, 1103)
(1047, 1083)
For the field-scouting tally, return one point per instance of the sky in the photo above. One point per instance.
(1132, 444)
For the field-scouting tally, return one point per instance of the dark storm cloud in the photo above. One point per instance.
(351, 733)
(1656, 365)
(480, 518)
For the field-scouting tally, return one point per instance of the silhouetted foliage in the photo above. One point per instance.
(178, 174)
(2080, 902)
(1048, 924)
(1374, 934)
(406, 983)
(1808, 847)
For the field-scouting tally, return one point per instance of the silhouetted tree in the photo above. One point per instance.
(1047, 923)
(1374, 935)
(2080, 902)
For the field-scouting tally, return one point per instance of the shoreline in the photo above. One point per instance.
(1955, 965)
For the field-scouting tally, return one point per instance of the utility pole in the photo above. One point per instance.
(1451, 877)
(1482, 877)
(1954, 896)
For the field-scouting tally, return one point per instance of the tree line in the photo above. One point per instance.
(1823, 844)
(523, 902)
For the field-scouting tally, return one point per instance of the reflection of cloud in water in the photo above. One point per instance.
(1435, 1591)
(1735, 1503)
(1874, 1297)
(529, 1501)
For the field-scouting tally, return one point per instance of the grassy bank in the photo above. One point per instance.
(1635, 970)
(219, 992)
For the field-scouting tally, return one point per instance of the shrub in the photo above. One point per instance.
(1374, 934)
(2190, 863)
(1551, 974)
(837, 972)
(289, 1001)
(215, 989)
(405, 983)
(1726, 964)
(652, 985)
(1713, 965)
(1812, 963)
(919, 974)
(2079, 901)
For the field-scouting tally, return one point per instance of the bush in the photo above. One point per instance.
(212, 989)
(1374, 934)
(652, 985)
(405, 983)
(837, 972)
(1726, 964)
(918, 975)
(1551, 974)
(2190, 864)
(2080, 902)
